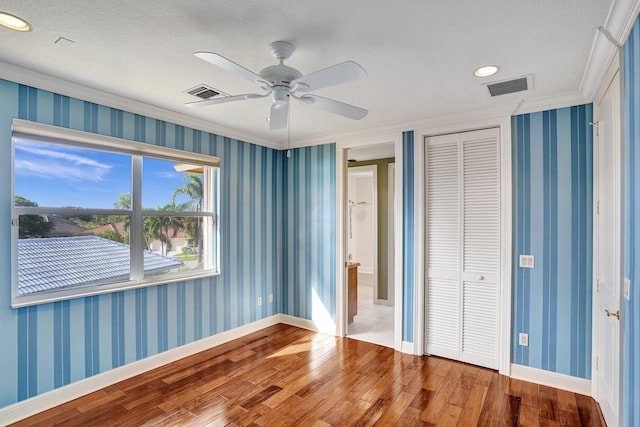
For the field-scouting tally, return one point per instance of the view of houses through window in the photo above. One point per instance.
(86, 217)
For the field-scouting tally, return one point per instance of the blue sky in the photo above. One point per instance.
(57, 176)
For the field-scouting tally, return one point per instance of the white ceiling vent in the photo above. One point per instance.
(504, 87)
(204, 92)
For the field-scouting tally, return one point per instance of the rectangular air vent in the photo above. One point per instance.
(203, 91)
(510, 86)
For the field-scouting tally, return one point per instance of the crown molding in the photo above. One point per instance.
(390, 133)
(25, 76)
(455, 122)
(464, 121)
(622, 16)
(550, 103)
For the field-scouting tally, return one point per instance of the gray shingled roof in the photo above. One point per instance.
(62, 262)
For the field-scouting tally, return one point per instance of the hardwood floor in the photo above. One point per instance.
(286, 376)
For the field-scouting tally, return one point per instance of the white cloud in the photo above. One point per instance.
(168, 175)
(52, 162)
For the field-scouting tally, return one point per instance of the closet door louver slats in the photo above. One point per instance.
(442, 207)
(479, 324)
(442, 327)
(481, 206)
(463, 246)
(443, 234)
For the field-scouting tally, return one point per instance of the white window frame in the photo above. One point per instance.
(38, 132)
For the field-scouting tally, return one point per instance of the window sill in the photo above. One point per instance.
(81, 292)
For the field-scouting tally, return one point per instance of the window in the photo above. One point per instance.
(94, 214)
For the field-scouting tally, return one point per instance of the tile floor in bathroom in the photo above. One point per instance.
(374, 322)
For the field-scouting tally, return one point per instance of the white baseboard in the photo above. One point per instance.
(407, 347)
(297, 321)
(307, 324)
(26, 408)
(551, 379)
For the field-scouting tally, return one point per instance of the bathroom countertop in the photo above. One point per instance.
(352, 264)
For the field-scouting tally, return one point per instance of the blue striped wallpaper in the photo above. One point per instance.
(309, 200)
(408, 235)
(553, 182)
(50, 345)
(278, 225)
(631, 309)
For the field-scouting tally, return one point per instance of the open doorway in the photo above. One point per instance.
(370, 243)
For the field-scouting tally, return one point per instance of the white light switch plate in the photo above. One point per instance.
(627, 289)
(526, 261)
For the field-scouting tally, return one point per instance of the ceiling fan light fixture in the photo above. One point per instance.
(486, 71)
(14, 22)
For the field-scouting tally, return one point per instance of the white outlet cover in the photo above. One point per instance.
(524, 339)
(526, 261)
(627, 289)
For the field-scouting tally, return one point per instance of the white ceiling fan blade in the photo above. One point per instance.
(337, 74)
(230, 66)
(278, 117)
(333, 106)
(223, 100)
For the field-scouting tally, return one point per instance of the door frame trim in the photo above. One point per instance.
(503, 123)
(342, 145)
(616, 68)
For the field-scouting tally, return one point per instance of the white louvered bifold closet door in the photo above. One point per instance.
(463, 243)
(443, 253)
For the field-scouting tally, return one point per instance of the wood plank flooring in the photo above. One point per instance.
(286, 376)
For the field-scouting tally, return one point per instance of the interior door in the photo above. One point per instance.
(442, 293)
(480, 252)
(608, 265)
(463, 246)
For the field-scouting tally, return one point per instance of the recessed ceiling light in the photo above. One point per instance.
(13, 22)
(486, 71)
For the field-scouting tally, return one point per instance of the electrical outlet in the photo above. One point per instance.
(270, 297)
(627, 289)
(524, 339)
(526, 261)
(259, 300)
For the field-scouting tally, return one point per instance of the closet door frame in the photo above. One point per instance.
(503, 123)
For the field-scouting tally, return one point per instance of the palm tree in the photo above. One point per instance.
(149, 225)
(194, 189)
(161, 226)
(123, 202)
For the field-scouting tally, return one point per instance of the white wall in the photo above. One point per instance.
(361, 239)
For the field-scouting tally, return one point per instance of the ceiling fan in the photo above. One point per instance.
(283, 82)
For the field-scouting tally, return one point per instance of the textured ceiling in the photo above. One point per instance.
(419, 55)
